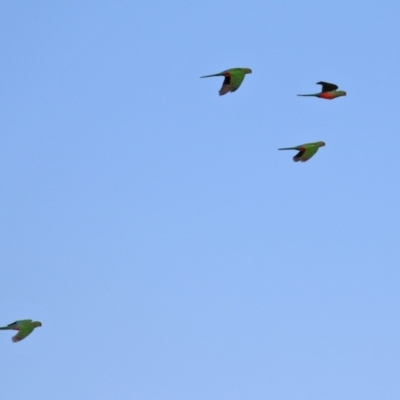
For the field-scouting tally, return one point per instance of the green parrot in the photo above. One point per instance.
(233, 79)
(329, 91)
(306, 151)
(24, 327)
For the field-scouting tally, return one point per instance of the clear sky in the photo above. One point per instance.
(170, 251)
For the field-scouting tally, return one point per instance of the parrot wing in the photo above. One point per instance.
(327, 87)
(305, 153)
(237, 78)
(23, 332)
(232, 81)
(226, 85)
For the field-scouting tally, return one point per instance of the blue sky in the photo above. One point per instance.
(169, 249)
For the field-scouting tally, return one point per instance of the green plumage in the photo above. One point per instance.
(306, 151)
(24, 327)
(233, 79)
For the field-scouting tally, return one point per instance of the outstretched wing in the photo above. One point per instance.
(305, 153)
(23, 332)
(236, 80)
(233, 79)
(327, 87)
(226, 85)
(300, 154)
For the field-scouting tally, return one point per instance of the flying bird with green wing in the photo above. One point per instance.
(305, 151)
(24, 327)
(233, 79)
(329, 91)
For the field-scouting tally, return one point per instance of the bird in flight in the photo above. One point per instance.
(24, 327)
(328, 92)
(305, 151)
(233, 79)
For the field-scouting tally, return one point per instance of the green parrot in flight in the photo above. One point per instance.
(306, 151)
(233, 79)
(24, 327)
(329, 91)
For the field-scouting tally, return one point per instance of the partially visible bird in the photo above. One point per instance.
(306, 151)
(24, 327)
(328, 92)
(233, 79)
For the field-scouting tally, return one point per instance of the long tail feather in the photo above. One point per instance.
(289, 148)
(313, 95)
(209, 76)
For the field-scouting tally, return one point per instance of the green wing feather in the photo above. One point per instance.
(24, 327)
(306, 151)
(23, 332)
(233, 79)
(237, 77)
(304, 155)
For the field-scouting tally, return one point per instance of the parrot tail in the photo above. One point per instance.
(209, 76)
